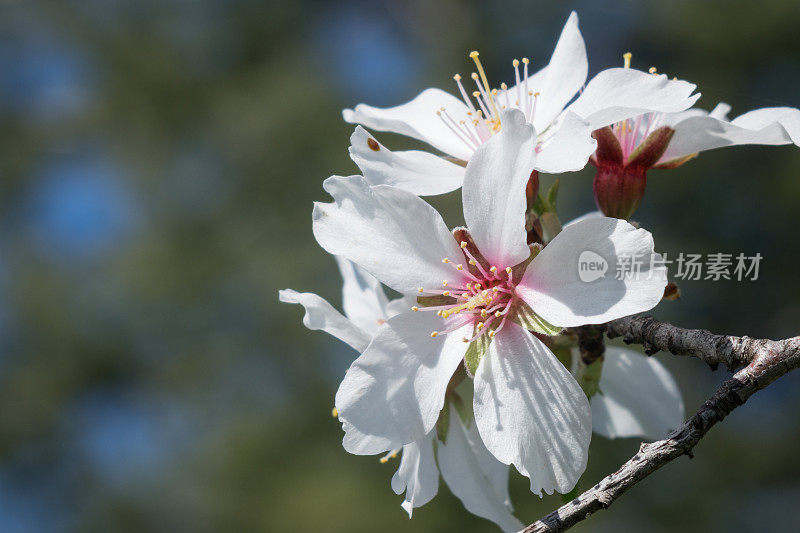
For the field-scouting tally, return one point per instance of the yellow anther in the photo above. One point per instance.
(459, 267)
(446, 293)
(480, 325)
(494, 92)
(495, 290)
(476, 94)
(484, 314)
(439, 312)
(463, 244)
(492, 333)
(526, 60)
(457, 77)
(335, 413)
(415, 308)
(384, 460)
(515, 63)
(472, 262)
(493, 270)
(420, 290)
(508, 270)
(652, 70)
(434, 333)
(394, 455)
(474, 56)
(479, 300)
(627, 58)
(469, 286)
(444, 283)
(497, 314)
(474, 76)
(464, 339)
(445, 260)
(503, 86)
(465, 295)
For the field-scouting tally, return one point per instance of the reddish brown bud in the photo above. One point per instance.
(621, 177)
(618, 190)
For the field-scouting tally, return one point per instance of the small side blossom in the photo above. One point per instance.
(627, 149)
(458, 126)
(478, 479)
(479, 296)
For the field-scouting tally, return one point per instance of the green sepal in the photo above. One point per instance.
(588, 377)
(474, 354)
(528, 319)
(443, 424)
(552, 195)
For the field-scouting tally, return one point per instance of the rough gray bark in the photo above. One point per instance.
(764, 361)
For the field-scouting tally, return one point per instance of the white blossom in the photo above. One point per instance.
(457, 127)
(529, 410)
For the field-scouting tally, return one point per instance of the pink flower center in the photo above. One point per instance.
(483, 297)
(633, 131)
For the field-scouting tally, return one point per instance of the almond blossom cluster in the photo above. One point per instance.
(474, 367)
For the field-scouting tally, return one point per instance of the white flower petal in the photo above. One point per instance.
(585, 216)
(400, 305)
(421, 173)
(474, 475)
(569, 148)
(417, 474)
(721, 111)
(418, 119)
(531, 412)
(638, 397)
(619, 93)
(552, 287)
(768, 126)
(565, 75)
(321, 315)
(494, 191)
(394, 391)
(363, 299)
(392, 234)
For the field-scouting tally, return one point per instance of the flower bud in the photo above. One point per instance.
(618, 191)
(621, 177)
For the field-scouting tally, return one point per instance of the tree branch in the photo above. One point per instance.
(765, 362)
(734, 352)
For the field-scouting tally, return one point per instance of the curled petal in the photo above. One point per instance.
(321, 315)
(418, 119)
(417, 474)
(421, 173)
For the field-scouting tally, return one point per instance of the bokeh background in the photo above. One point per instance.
(158, 163)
